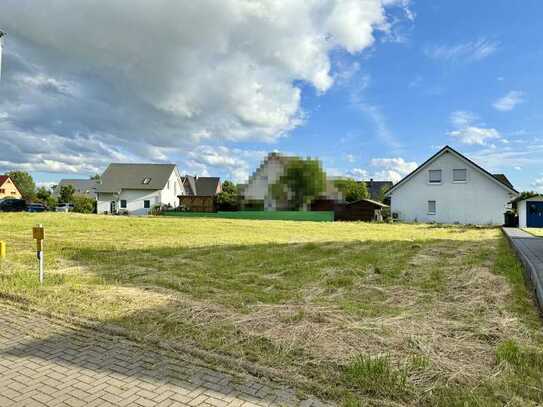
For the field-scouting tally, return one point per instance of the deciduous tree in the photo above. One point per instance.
(24, 183)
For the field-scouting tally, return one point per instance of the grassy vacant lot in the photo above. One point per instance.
(535, 231)
(368, 313)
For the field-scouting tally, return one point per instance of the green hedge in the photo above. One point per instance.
(260, 215)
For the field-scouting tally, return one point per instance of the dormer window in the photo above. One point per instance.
(434, 176)
(146, 181)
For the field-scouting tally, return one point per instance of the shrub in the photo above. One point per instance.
(155, 210)
(83, 204)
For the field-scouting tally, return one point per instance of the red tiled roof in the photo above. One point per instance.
(3, 178)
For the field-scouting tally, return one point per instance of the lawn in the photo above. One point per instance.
(362, 313)
(535, 231)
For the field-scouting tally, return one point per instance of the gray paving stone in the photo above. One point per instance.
(46, 363)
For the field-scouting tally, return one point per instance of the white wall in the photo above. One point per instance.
(521, 210)
(171, 190)
(480, 200)
(104, 202)
(135, 201)
(522, 213)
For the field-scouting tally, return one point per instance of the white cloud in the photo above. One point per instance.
(462, 118)
(508, 157)
(358, 173)
(468, 132)
(222, 69)
(46, 184)
(538, 184)
(509, 101)
(235, 162)
(475, 135)
(464, 52)
(393, 169)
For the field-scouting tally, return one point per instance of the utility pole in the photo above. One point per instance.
(2, 35)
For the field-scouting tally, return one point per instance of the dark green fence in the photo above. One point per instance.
(259, 215)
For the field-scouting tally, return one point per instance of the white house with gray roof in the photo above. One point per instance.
(135, 188)
(450, 188)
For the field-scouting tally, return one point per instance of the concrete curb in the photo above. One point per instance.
(530, 274)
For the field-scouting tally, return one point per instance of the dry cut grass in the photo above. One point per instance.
(368, 313)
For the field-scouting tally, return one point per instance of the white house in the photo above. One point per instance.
(136, 188)
(450, 188)
(530, 212)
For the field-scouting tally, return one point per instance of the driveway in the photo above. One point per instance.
(45, 362)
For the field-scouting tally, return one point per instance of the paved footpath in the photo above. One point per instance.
(44, 362)
(529, 249)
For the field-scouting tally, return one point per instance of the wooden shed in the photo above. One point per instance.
(364, 210)
(195, 203)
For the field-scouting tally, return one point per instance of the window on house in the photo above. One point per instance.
(460, 175)
(431, 207)
(146, 204)
(2, 191)
(434, 176)
(146, 181)
(123, 203)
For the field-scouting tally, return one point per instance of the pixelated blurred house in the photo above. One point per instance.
(200, 193)
(257, 194)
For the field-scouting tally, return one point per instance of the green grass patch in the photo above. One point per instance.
(376, 376)
(305, 298)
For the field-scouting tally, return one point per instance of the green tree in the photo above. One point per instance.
(95, 177)
(352, 191)
(24, 183)
(384, 189)
(228, 199)
(83, 204)
(302, 181)
(66, 194)
(526, 194)
(45, 196)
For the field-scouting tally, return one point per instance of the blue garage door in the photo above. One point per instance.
(535, 214)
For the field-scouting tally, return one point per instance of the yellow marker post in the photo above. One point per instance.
(2, 250)
(39, 234)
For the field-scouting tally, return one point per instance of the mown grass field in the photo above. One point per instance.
(535, 231)
(369, 314)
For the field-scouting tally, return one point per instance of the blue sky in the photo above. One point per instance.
(370, 87)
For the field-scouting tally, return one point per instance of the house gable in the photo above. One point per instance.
(499, 179)
(8, 189)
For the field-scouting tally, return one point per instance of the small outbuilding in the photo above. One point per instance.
(366, 210)
(530, 212)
